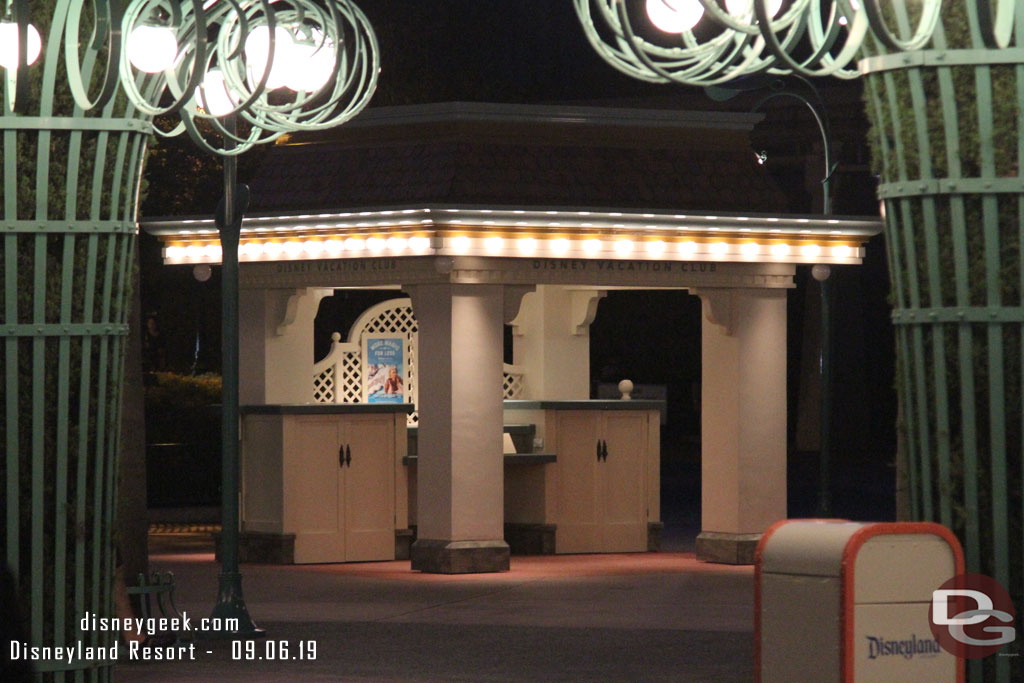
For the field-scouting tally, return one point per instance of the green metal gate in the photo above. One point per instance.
(70, 179)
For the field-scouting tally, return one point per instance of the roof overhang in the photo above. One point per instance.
(525, 233)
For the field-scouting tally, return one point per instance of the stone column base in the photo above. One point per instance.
(713, 546)
(459, 557)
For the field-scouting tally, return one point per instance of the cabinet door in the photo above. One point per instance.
(578, 528)
(314, 493)
(622, 475)
(369, 492)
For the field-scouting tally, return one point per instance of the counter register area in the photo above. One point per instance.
(328, 473)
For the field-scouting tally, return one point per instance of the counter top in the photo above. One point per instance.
(326, 408)
(598, 404)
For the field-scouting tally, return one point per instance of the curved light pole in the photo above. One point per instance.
(267, 68)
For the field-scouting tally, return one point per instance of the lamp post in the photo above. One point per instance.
(294, 65)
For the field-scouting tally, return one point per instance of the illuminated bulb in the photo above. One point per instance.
(354, 244)
(687, 248)
(313, 248)
(397, 243)
(419, 244)
(316, 57)
(750, 249)
(623, 247)
(461, 244)
(272, 249)
(674, 16)
(251, 249)
(375, 244)
(193, 251)
(9, 45)
(292, 249)
(152, 49)
(560, 246)
(212, 251)
(744, 8)
(810, 250)
(719, 248)
(842, 251)
(334, 247)
(527, 245)
(494, 245)
(175, 252)
(780, 250)
(592, 246)
(213, 95)
(257, 51)
(656, 248)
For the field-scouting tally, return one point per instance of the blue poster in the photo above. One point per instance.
(384, 365)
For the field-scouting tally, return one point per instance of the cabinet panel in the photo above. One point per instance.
(313, 495)
(622, 479)
(576, 446)
(369, 509)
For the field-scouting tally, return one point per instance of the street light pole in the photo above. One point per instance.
(230, 601)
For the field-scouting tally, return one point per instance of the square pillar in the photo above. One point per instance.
(275, 344)
(460, 469)
(551, 341)
(743, 420)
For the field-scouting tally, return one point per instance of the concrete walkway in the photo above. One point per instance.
(632, 617)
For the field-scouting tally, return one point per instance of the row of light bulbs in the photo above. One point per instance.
(525, 246)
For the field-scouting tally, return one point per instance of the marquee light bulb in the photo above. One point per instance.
(376, 244)
(152, 49)
(461, 244)
(623, 247)
(780, 249)
(719, 248)
(334, 246)
(397, 243)
(9, 45)
(842, 251)
(811, 250)
(560, 246)
(750, 249)
(272, 249)
(419, 244)
(674, 16)
(656, 248)
(527, 245)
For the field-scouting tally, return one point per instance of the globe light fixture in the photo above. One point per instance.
(152, 49)
(674, 16)
(9, 44)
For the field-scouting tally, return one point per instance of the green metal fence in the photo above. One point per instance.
(70, 179)
(948, 139)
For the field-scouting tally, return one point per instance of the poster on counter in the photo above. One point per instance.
(384, 376)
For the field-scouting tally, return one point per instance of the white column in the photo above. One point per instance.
(276, 345)
(743, 420)
(551, 341)
(460, 466)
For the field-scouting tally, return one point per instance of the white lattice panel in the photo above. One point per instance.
(513, 385)
(323, 386)
(351, 384)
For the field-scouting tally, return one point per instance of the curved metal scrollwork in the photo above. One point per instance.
(214, 61)
(806, 37)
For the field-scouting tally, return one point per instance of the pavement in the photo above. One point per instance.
(623, 617)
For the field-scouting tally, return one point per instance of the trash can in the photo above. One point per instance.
(848, 602)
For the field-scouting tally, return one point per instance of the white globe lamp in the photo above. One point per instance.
(674, 16)
(152, 49)
(9, 44)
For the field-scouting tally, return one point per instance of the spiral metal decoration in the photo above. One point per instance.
(805, 37)
(214, 38)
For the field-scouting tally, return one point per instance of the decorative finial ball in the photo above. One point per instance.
(626, 389)
(335, 337)
(820, 272)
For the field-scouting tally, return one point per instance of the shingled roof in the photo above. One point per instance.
(516, 155)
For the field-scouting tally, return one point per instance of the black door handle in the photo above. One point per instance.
(599, 450)
(348, 455)
(604, 450)
(341, 455)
